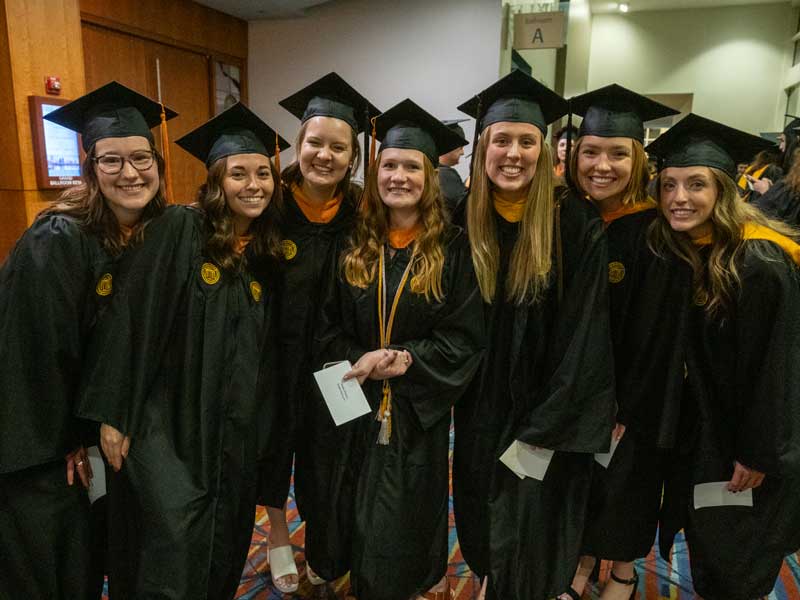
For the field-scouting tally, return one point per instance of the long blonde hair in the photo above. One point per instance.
(531, 258)
(716, 279)
(360, 261)
(636, 190)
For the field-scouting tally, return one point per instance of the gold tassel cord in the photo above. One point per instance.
(165, 154)
(278, 157)
(372, 151)
(384, 414)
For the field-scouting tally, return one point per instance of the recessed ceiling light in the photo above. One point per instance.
(624, 7)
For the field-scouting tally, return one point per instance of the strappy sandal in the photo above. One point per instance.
(571, 592)
(281, 564)
(634, 581)
(313, 578)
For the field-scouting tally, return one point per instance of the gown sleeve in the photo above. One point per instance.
(130, 339)
(335, 339)
(768, 386)
(445, 361)
(577, 407)
(43, 288)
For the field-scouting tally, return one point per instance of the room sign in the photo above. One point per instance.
(538, 30)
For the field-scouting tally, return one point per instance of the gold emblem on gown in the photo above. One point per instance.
(255, 290)
(616, 272)
(289, 249)
(104, 285)
(209, 273)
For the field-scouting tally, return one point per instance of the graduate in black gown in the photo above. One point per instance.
(175, 375)
(741, 430)
(648, 294)
(319, 208)
(61, 272)
(548, 377)
(780, 198)
(403, 306)
(450, 183)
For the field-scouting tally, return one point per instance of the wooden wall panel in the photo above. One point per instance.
(10, 166)
(185, 87)
(39, 38)
(176, 22)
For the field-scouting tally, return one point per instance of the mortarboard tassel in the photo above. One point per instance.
(567, 178)
(278, 157)
(372, 146)
(385, 415)
(165, 153)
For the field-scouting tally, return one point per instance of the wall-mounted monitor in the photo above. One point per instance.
(57, 150)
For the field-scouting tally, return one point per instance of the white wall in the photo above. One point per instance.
(732, 59)
(439, 53)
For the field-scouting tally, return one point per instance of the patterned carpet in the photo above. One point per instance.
(658, 579)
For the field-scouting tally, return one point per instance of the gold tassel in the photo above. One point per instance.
(278, 157)
(385, 415)
(372, 152)
(165, 153)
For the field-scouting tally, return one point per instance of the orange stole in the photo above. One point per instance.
(401, 238)
(314, 211)
(753, 231)
(241, 244)
(510, 210)
(628, 209)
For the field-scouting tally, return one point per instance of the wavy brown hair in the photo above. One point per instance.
(716, 278)
(531, 258)
(360, 260)
(292, 173)
(86, 204)
(636, 190)
(221, 238)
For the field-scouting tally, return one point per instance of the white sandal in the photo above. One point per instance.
(281, 564)
(313, 578)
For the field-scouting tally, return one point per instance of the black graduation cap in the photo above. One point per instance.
(793, 126)
(455, 125)
(112, 110)
(236, 130)
(517, 98)
(697, 141)
(331, 96)
(408, 126)
(614, 111)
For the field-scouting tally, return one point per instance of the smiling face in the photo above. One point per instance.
(325, 153)
(511, 156)
(248, 187)
(688, 196)
(128, 192)
(604, 168)
(401, 181)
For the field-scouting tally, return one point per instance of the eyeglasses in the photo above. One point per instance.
(111, 164)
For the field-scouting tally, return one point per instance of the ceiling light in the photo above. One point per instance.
(623, 7)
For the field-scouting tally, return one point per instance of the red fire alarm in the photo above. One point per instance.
(52, 85)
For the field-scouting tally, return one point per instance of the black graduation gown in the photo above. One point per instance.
(649, 305)
(174, 364)
(548, 380)
(48, 302)
(780, 202)
(399, 540)
(743, 404)
(451, 186)
(308, 248)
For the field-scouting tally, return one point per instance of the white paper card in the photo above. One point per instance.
(345, 399)
(604, 458)
(97, 488)
(709, 495)
(526, 460)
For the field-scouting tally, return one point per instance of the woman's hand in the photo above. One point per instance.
(744, 478)
(115, 445)
(394, 365)
(364, 366)
(760, 185)
(78, 460)
(619, 431)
